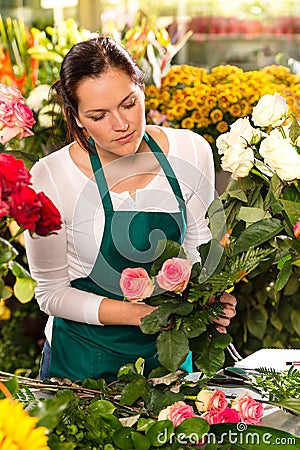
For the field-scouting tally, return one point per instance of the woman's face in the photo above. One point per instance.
(111, 108)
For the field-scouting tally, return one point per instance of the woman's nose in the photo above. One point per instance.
(120, 124)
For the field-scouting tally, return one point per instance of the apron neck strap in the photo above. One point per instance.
(100, 177)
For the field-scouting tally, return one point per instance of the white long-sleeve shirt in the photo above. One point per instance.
(56, 260)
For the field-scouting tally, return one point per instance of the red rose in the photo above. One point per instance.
(25, 207)
(12, 173)
(50, 219)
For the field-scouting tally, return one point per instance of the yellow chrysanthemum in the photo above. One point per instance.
(151, 91)
(152, 103)
(190, 103)
(188, 123)
(235, 110)
(222, 127)
(216, 115)
(18, 429)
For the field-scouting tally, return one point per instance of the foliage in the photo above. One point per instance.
(21, 338)
(277, 387)
(208, 102)
(124, 414)
(266, 317)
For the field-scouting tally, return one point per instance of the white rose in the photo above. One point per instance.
(241, 133)
(281, 156)
(37, 97)
(271, 110)
(238, 160)
(222, 143)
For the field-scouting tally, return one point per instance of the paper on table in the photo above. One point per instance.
(271, 358)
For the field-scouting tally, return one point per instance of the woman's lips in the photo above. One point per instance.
(125, 139)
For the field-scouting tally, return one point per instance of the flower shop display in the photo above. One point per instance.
(209, 101)
(165, 411)
(262, 207)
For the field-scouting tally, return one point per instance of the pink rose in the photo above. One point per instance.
(23, 118)
(174, 275)
(214, 401)
(16, 119)
(10, 93)
(297, 229)
(227, 415)
(177, 413)
(136, 284)
(218, 402)
(250, 411)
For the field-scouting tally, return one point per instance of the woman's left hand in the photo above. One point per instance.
(229, 311)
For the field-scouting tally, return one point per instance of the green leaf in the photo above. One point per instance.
(160, 433)
(238, 194)
(173, 348)
(212, 259)
(290, 404)
(257, 321)
(283, 276)
(292, 210)
(24, 289)
(251, 215)
(257, 234)
(122, 438)
(217, 219)
(222, 340)
(7, 251)
(140, 441)
(295, 319)
(102, 407)
(191, 430)
(19, 271)
(132, 391)
(294, 130)
(209, 359)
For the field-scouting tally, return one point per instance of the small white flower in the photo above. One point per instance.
(37, 97)
(271, 110)
(46, 114)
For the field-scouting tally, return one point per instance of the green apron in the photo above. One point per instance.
(79, 350)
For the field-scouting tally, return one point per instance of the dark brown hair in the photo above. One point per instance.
(90, 59)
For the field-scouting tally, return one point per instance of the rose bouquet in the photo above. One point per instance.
(19, 203)
(183, 294)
